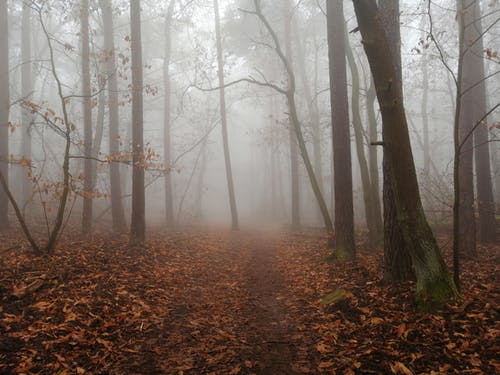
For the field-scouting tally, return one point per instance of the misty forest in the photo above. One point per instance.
(249, 186)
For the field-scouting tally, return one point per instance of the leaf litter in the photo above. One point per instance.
(233, 303)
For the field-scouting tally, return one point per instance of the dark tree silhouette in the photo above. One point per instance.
(138, 220)
(434, 284)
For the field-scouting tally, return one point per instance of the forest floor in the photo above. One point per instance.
(233, 303)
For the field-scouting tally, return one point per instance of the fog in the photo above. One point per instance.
(257, 116)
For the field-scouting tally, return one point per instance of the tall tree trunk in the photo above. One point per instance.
(138, 220)
(87, 119)
(167, 144)
(484, 183)
(312, 109)
(344, 213)
(373, 158)
(4, 112)
(99, 132)
(425, 117)
(397, 261)
(371, 220)
(467, 227)
(225, 140)
(117, 211)
(26, 93)
(294, 154)
(434, 284)
(289, 92)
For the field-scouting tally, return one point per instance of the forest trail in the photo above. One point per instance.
(236, 303)
(270, 329)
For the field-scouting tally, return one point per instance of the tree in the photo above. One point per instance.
(167, 144)
(371, 97)
(138, 220)
(4, 112)
(397, 262)
(26, 93)
(372, 208)
(434, 284)
(484, 184)
(311, 100)
(467, 226)
(222, 103)
(87, 119)
(289, 93)
(117, 211)
(344, 215)
(294, 153)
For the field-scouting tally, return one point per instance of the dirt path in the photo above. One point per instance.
(269, 329)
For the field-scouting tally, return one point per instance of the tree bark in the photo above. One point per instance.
(341, 142)
(4, 112)
(138, 219)
(225, 138)
(88, 184)
(117, 211)
(434, 284)
(397, 262)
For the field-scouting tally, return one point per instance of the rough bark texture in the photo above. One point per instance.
(88, 184)
(117, 211)
(344, 215)
(434, 284)
(138, 220)
(484, 183)
(4, 112)
(467, 226)
(167, 144)
(397, 262)
(225, 138)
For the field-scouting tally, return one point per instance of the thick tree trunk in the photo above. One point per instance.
(397, 262)
(26, 93)
(225, 138)
(88, 184)
(117, 211)
(344, 214)
(167, 144)
(4, 112)
(434, 284)
(138, 220)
